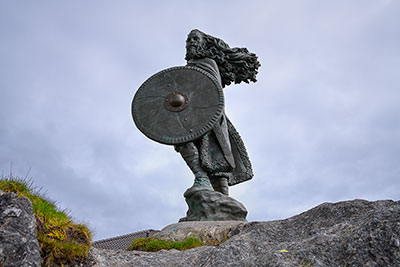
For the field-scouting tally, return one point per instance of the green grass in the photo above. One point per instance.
(153, 245)
(61, 241)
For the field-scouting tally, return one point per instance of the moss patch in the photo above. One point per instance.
(61, 241)
(152, 245)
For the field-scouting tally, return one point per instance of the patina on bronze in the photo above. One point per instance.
(178, 105)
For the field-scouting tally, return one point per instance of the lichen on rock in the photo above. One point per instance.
(18, 242)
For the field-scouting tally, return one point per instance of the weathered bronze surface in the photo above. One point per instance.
(178, 105)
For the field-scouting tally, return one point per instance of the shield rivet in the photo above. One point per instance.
(176, 101)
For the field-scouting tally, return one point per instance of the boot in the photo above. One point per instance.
(190, 155)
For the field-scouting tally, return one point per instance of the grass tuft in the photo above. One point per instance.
(61, 241)
(153, 245)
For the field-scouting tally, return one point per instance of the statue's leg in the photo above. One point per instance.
(190, 154)
(220, 184)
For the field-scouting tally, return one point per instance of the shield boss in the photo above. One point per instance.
(178, 105)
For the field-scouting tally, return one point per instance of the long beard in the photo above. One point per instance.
(194, 52)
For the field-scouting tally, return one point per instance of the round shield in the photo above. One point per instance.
(178, 105)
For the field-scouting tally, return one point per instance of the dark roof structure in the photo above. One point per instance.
(122, 242)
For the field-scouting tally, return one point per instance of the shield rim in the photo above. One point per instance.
(195, 135)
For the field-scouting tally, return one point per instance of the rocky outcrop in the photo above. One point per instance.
(350, 233)
(211, 233)
(18, 243)
(210, 205)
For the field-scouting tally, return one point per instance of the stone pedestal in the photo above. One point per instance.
(210, 233)
(209, 205)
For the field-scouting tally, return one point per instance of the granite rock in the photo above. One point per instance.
(18, 241)
(349, 233)
(210, 205)
(208, 232)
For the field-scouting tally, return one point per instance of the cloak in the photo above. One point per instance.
(222, 150)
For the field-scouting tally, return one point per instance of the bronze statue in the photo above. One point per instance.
(219, 158)
(183, 106)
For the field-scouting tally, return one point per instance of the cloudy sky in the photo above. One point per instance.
(322, 124)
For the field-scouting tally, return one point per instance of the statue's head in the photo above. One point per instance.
(195, 44)
(235, 64)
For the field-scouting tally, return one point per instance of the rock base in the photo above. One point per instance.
(349, 233)
(209, 205)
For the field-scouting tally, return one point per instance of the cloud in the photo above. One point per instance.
(320, 124)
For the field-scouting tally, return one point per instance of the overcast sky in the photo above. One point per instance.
(322, 124)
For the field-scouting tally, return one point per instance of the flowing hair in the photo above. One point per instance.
(235, 64)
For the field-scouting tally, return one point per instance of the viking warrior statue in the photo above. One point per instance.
(219, 158)
(184, 106)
